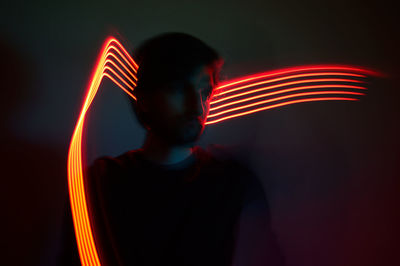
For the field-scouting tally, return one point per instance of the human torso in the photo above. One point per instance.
(180, 215)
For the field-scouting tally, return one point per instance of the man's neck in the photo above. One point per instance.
(157, 151)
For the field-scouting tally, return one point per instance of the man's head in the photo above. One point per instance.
(176, 76)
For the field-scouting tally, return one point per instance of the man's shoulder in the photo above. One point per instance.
(104, 166)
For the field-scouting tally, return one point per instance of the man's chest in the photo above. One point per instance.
(157, 215)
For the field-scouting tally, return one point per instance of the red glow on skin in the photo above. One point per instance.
(107, 66)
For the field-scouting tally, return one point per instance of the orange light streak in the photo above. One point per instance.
(280, 85)
(83, 231)
(118, 76)
(128, 60)
(297, 69)
(289, 77)
(119, 70)
(119, 85)
(125, 67)
(107, 51)
(283, 97)
(284, 91)
(278, 105)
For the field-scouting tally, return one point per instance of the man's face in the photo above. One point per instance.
(178, 111)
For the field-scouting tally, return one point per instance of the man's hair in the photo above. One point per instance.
(169, 57)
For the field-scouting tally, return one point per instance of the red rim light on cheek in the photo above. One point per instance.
(232, 99)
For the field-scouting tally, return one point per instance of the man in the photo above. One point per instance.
(172, 202)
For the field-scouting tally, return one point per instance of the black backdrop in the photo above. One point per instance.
(330, 169)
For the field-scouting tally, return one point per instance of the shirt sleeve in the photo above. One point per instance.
(256, 243)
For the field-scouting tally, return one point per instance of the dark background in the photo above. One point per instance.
(330, 169)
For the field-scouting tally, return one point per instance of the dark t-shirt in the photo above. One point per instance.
(205, 210)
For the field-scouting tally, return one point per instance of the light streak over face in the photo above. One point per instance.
(120, 68)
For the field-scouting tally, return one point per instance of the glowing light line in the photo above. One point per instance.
(293, 70)
(128, 59)
(288, 77)
(284, 91)
(119, 85)
(118, 76)
(278, 86)
(278, 105)
(109, 53)
(106, 52)
(82, 226)
(281, 98)
(120, 70)
(105, 67)
(126, 68)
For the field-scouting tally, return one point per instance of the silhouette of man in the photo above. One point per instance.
(172, 202)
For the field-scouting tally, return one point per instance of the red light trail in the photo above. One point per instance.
(120, 68)
(107, 66)
(281, 91)
(247, 95)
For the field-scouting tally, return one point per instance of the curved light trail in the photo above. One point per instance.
(248, 95)
(107, 66)
(283, 91)
(285, 71)
(288, 77)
